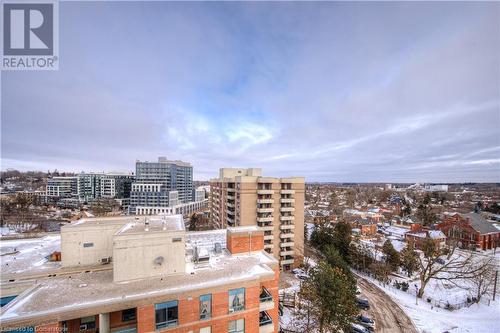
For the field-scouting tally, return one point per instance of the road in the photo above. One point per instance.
(388, 315)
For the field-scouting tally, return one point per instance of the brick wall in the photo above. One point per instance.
(241, 243)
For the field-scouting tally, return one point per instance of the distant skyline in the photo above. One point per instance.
(339, 92)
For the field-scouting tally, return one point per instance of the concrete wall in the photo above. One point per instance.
(73, 239)
(134, 255)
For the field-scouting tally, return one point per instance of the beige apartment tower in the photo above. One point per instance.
(243, 197)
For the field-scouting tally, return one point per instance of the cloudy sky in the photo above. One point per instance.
(331, 91)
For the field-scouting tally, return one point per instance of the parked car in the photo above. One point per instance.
(302, 276)
(362, 303)
(440, 261)
(358, 290)
(367, 322)
(297, 271)
(357, 328)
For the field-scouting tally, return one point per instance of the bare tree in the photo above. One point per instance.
(461, 266)
(483, 283)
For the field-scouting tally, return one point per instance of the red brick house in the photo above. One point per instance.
(418, 237)
(471, 231)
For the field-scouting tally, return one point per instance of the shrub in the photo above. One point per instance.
(405, 286)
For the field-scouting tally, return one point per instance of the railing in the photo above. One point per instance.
(265, 296)
(264, 319)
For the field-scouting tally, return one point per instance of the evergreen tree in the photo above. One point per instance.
(409, 259)
(342, 238)
(331, 293)
(391, 255)
(321, 236)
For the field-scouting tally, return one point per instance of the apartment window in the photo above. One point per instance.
(177, 239)
(166, 314)
(236, 299)
(88, 244)
(128, 315)
(87, 323)
(206, 329)
(205, 306)
(236, 326)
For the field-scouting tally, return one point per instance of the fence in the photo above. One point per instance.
(287, 299)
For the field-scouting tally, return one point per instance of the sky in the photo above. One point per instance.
(341, 92)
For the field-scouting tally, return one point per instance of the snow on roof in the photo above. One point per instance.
(29, 257)
(154, 224)
(436, 234)
(89, 292)
(396, 230)
(248, 228)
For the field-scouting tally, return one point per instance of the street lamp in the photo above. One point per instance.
(416, 294)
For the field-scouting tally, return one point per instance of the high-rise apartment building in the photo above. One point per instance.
(147, 274)
(243, 197)
(161, 184)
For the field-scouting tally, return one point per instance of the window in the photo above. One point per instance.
(236, 299)
(205, 306)
(206, 329)
(166, 314)
(88, 244)
(236, 326)
(177, 239)
(128, 315)
(87, 323)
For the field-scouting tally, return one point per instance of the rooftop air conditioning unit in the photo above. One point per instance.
(105, 261)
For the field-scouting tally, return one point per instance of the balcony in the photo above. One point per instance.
(287, 200)
(268, 237)
(229, 204)
(287, 262)
(287, 234)
(265, 323)
(266, 300)
(287, 218)
(230, 189)
(287, 253)
(230, 196)
(266, 227)
(265, 201)
(287, 244)
(265, 219)
(265, 192)
(287, 209)
(268, 246)
(287, 191)
(265, 210)
(287, 226)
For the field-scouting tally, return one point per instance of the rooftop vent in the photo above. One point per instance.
(217, 248)
(201, 255)
(159, 261)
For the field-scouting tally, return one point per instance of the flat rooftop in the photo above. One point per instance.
(90, 293)
(28, 256)
(152, 224)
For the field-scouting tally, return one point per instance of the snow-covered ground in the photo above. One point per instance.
(478, 318)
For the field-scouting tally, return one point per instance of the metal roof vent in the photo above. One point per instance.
(159, 261)
(217, 248)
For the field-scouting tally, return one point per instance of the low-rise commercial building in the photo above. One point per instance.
(147, 274)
